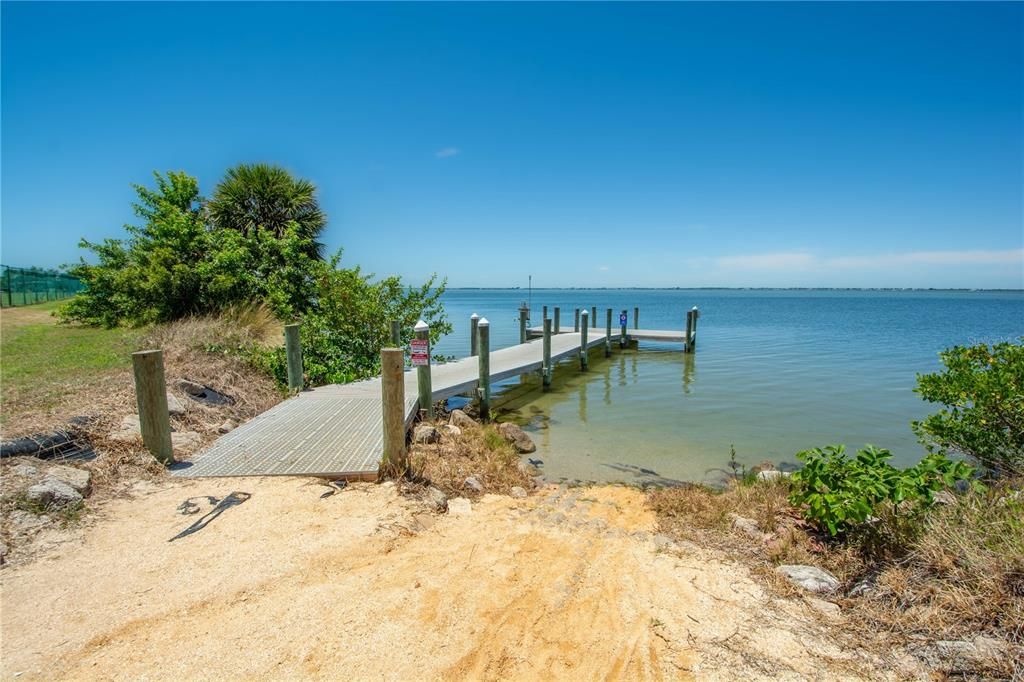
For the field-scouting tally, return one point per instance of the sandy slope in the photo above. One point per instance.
(568, 584)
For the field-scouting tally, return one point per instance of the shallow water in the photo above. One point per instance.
(775, 372)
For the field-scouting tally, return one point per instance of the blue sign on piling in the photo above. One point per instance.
(622, 319)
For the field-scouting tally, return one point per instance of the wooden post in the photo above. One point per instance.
(636, 318)
(151, 398)
(293, 355)
(524, 313)
(392, 393)
(622, 331)
(484, 389)
(608, 336)
(474, 320)
(396, 333)
(593, 316)
(426, 392)
(692, 326)
(583, 341)
(576, 322)
(545, 315)
(546, 370)
(558, 320)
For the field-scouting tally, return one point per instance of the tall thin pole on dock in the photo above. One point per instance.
(151, 399)
(636, 318)
(593, 316)
(392, 387)
(576, 322)
(484, 347)
(608, 335)
(546, 370)
(558, 320)
(474, 319)
(583, 341)
(423, 383)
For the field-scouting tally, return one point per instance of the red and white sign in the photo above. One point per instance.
(420, 351)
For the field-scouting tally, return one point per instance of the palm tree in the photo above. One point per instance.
(260, 196)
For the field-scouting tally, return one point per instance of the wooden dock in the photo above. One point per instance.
(338, 430)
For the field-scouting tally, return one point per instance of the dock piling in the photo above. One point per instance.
(426, 393)
(544, 316)
(151, 399)
(558, 320)
(484, 389)
(636, 318)
(608, 335)
(593, 316)
(546, 370)
(396, 333)
(583, 340)
(524, 314)
(474, 319)
(576, 322)
(392, 388)
(622, 330)
(293, 356)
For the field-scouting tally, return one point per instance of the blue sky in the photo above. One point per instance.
(606, 145)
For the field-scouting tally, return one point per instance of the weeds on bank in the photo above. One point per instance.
(480, 452)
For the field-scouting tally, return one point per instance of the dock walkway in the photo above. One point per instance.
(336, 430)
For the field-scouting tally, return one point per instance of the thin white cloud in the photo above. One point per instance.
(446, 152)
(603, 268)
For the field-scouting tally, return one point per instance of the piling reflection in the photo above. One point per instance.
(689, 371)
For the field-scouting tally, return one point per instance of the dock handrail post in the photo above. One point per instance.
(524, 313)
(474, 319)
(484, 389)
(293, 356)
(576, 322)
(426, 391)
(546, 369)
(392, 389)
(558, 320)
(583, 340)
(608, 335)
(151, 399)
(593, 316)
(396, 333)
(622, 330)
(636, 317)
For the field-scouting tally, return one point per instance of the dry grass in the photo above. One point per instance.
(953, 574)
(480, 452)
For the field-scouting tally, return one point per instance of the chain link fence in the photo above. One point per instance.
(25, 286)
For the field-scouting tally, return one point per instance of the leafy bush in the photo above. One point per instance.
(348, 323)
(983, 389)
(838, 493)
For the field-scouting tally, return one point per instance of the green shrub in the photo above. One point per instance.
(838, 493)
(982, 388)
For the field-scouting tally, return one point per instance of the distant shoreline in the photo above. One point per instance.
(962, 290)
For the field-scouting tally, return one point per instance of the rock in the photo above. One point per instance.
(825, 608)
(131, 429)
(191, 387)
(863, 588)
(462, 420)
(76, 478)
(226, 427)
(810, 578)
(185, 440)
(425, 433)
(459, 506)
(53, 493)
(517, 492)
(174, 406)
(24, 470)
(750, 527)
(436, 498)
(944, 497)
(452, 430)
(517, 437)
(473, 483)
(771, 475)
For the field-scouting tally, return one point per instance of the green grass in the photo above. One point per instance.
(39, 358)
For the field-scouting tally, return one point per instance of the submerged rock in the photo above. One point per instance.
(517, 437)
(810, 578)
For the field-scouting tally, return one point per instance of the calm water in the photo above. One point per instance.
(775, 372)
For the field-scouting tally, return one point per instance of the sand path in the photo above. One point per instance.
(567, 584)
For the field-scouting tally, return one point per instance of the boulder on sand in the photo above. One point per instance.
(810, 578)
